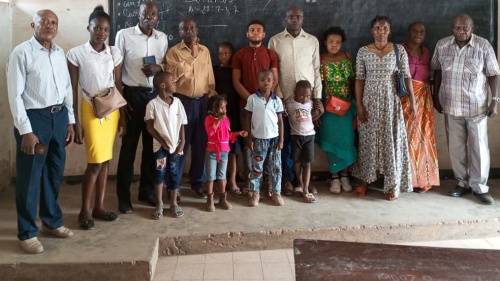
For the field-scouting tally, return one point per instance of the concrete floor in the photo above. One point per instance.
(131, 245)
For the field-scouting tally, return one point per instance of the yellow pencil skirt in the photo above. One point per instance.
(98, 135)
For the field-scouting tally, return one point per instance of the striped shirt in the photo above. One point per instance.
(37, 78)
(464, 85)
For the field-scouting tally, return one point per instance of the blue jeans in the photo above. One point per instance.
(266, 149)
(213, 169)
(41, 173)
(167, 169)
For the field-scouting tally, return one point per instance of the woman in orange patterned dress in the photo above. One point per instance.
(420, 130)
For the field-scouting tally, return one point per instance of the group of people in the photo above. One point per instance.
(268, 104)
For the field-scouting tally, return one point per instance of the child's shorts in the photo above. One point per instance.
(302, 148)
(216, 170)
(167, 169)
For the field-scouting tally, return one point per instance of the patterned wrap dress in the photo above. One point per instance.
(383, 144)
(335, 135)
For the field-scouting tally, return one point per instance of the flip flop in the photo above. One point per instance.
(158, 214)
(235, 190)
(313, 189)
(309, 198)
(245, 191)
(111, 216)
(177, 211)
(288, 188)
(297, 191)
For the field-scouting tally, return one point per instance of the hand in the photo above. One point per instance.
(317, 123)
(437, 104)
(318, 105)
(195, 48)
(70, 135)
(492, 109)
(413, 109)
(78, 133)
(28, 142)
(250, 143)
(243, 134)
(179, 149)
(150, 69)
(362, 114)
(122, 125)
(279, 146)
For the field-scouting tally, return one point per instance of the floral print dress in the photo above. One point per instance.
(383, 144)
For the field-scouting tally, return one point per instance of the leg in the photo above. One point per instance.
(297, 166)
(173, 185)
(88, 184)
(479, 166)
(231, 174)
(456, 133)
(275, 166)
(161, 171)
(221, 177)
(99, 211)
(306, 175)
(211, 167)
(286, 153)
(344, 180)
(198, 147)
(260, 148)
(146, 192)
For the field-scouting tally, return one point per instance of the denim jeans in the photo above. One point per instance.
(266, 149)
(213, 169)
(167, 169)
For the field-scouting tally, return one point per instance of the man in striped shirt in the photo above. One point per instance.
(464, 65)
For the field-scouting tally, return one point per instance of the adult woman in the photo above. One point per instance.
(420, 130)
(95, 67)
(335, 134)
(383, 145)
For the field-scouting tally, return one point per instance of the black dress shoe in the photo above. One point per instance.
(201, 193)
(485, 198)
(459, 191)
(125, 207)
(86, 225)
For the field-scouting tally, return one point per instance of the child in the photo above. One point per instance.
(218, 133)
(165, 119)
(302, 134)
(266, 138)
(223, 74)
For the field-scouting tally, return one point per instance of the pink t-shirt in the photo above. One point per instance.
(419, 67)
(218, 136)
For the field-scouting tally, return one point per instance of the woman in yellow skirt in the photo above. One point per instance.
(95, 66)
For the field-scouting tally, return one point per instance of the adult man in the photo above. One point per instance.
(191, 62)
(143, 49)
(246, 63)
(299, 59)
(41, 102)
(464, 65)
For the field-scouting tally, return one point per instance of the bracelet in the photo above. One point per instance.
(496, 99)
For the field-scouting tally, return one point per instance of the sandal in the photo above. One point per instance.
(288, 188)
(312, 189)
(390, 196)
(245, 191)
(111, 216)
(235, 190)
(360, 191)
(297, 191)
(177, 212)
(158, 214)
(309, 198)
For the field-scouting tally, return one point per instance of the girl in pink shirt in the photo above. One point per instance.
(219, 135)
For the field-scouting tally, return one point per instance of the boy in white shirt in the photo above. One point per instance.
(165, 119)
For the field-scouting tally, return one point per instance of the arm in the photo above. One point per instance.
(177, 65)
(211, 125)
(244, 94)
(435, 93)
(359, 87)
(275, 79)
(152, 131)
(74, 76)
(280, 131)
(248, 128)
(316, 113)
(211, 77)
(405, 66)
(122, 123)
(318, 87)
(494, 83)
(182, 141)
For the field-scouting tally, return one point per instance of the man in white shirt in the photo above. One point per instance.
(299, 59)
(140, 45)
(41, 102)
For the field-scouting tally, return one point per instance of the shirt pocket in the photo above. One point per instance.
(447, 64)
(473, 64)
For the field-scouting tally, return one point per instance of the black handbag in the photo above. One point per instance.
(401, 90)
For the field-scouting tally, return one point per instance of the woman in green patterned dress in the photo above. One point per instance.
(335, 134)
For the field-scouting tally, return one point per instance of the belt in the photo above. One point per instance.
(183, 97)
(141, 89)
(54, 108)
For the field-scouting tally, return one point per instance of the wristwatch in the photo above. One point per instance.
(496, 99)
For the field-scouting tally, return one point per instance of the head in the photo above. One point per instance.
(381, 28)
(45, 24)
(188, 30)
(217, 105)
(256, 32)
(148, 16)
(333, 39)
(99, 25)
(463, 26)
(265, 80)
(303, 92)
(226, 51)
(165, 82)
(294, 18)
(416, 33)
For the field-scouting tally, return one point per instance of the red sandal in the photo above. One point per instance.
(360, 191)
(390, 196)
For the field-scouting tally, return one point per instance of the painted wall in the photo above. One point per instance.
(73, 16)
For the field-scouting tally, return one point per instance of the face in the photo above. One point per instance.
(148, 16)
(99, 30)
(381, 30)
(294, 19)
(225, 55)
(45, 25)
(220, 108)
(265, 81)
(255, 33)
(188, 31)
(416, 33)
(333, 43)
(462, 29)
(303, 95)
(170, 84)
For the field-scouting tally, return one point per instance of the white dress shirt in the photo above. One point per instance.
(96, 70)
(37, 78)
(299, 59)
(134, 46)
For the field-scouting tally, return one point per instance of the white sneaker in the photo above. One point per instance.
(335, 186)
(60, 232)
(31, 246)
(346, 184)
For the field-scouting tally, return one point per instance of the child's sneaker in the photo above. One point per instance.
(335, 186)
(278, 200)
(254, 199)
(346, 184)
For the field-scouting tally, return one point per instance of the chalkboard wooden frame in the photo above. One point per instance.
(226, 20)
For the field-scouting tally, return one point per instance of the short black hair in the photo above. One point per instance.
(264, 72)
(334, 30)
(159, 77)
(414, 23)
(215, 101)
(99, 12)
(259, 22)
(227, 44)
(303, 84)
(378, 18)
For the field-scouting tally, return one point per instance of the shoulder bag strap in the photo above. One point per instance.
(397, 56)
